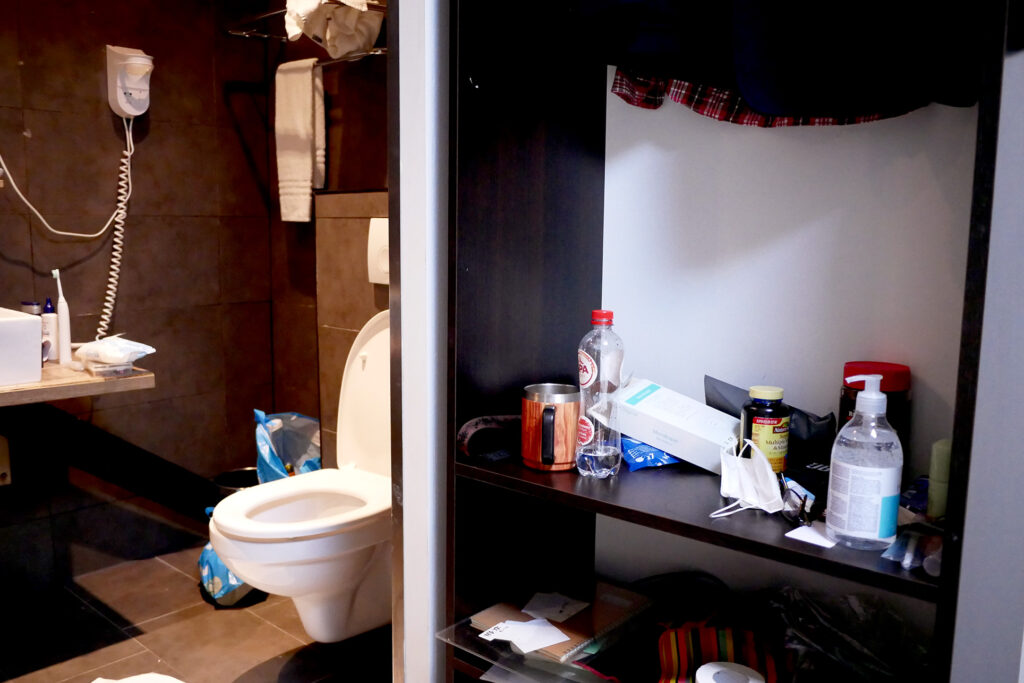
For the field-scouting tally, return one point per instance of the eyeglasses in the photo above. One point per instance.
(796, 507)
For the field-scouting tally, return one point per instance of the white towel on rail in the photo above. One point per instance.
(299, 137)
(319, 130)
(339, 29)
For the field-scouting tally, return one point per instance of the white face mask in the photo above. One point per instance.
(750, 480)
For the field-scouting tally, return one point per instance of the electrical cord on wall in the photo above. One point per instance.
(117, 219)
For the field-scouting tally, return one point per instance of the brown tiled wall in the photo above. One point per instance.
(346, 299)
(195, 277)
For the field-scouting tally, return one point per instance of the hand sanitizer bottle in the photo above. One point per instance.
(864, 478)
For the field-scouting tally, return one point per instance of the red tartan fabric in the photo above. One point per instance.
(715, 103)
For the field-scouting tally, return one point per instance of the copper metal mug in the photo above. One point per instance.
(550, 414)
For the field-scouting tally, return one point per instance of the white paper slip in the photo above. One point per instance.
(496, 632)
(812, 534)
(526, 636)
(553, 606)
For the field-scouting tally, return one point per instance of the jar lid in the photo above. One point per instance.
(601, 317)
(895, 376)
(766, 393)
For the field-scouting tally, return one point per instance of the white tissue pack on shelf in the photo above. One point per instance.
(21, 347)
(677, 424)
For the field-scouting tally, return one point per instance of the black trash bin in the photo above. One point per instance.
(235, 480)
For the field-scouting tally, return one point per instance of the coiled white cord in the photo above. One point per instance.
(117, 219)
(124, 193)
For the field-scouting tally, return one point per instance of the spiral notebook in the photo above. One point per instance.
(610, 609)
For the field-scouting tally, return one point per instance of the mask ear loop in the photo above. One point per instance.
(725, 512)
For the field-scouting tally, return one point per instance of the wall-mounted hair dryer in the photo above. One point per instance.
(128, 72)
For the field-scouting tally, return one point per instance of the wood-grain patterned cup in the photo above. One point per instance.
(550, 413)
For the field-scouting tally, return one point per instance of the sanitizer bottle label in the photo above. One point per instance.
(863, 501)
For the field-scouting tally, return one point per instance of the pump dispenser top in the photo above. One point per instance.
(870, 400)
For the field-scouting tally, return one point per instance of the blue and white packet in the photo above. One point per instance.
(638, 455)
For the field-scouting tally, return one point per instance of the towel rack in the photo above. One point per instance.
(251, 27)
(355, 56)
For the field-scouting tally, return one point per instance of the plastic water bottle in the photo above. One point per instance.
(598, 444)
(864, 478)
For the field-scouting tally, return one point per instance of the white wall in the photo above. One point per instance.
(774, 256)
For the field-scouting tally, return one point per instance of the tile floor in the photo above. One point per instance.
(148, 616)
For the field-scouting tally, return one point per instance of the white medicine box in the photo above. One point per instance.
(21, 347)
(677, 424)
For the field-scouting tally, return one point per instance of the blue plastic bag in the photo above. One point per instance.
(219, 584)
(287, 444)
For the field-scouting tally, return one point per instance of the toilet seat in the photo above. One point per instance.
(318, 503)
(364, 401)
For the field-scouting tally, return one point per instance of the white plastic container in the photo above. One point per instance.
(21, 343)
(864, 477)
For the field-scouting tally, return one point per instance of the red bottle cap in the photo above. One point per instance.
(895, 377)
(599, 317)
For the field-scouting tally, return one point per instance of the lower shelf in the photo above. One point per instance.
(498, 653)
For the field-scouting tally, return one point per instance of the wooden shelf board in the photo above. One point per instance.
(59, 382)
(678, 499)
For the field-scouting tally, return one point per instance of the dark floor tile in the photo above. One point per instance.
(365, 658)
(142, 663)
(82, 489)
(57, 636)
(107, 535)
(213, 646)
(185, 561)
(31, 568)
(282, 614)
(138, 591)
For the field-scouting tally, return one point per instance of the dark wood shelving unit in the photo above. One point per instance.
(678, 501)
(526, 204)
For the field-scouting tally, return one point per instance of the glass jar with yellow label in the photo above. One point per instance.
(765, 421)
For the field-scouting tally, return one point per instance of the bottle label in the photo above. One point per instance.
(584, 431)
(771, 435)
(588, 368)
(863, 501)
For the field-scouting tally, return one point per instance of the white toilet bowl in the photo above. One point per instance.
(324, 538)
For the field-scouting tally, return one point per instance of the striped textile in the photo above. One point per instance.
(683, 650)
(716, 103)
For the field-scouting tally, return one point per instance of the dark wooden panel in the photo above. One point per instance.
(509, 546)
(528, 202)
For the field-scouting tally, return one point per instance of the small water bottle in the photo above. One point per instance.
(598, 445)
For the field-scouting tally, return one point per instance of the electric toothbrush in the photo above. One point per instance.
(63, 323)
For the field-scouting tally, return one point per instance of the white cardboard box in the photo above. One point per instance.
(21, 347)
(677, 424)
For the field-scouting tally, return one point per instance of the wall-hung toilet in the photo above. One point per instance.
(324, 538)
